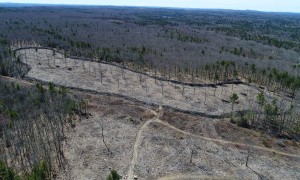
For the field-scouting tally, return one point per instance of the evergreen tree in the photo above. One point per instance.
(114, 175)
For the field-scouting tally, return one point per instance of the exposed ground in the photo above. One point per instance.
(152, 148)
(87, 75)
(157, 143)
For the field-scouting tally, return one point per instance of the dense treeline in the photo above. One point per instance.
(239, 31)
(271, 78)
(271, 117)
(32, 125)
(10, 64)
(159, 37)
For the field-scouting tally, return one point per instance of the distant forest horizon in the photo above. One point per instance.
(29, 4)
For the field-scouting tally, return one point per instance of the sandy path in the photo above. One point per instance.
(138, 142)
(136, 148)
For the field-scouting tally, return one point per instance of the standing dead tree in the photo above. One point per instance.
(109, 152)
(146, 86)
(53, 55)
(101, 73)
(249, 153)
(162, 87)
(140, 76)
(65, 58)
(123, 74)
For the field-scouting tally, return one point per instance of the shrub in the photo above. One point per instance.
(40, 172)
(114, 175)
(232, 120)
(243, 122)
(7, 173)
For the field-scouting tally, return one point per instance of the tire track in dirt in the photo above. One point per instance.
(188, 176)
(137, 142)
(136, 148)
(226, 142)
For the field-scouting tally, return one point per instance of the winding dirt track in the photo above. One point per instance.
(137, 142)
(226, 142)
(136, 148)
(188, 176)
(157, 120)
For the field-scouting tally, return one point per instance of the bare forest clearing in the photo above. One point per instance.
(111, 93)
(162, 150)
(105, 78)
(158, 143)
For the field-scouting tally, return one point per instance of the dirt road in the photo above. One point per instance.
(137, 142)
